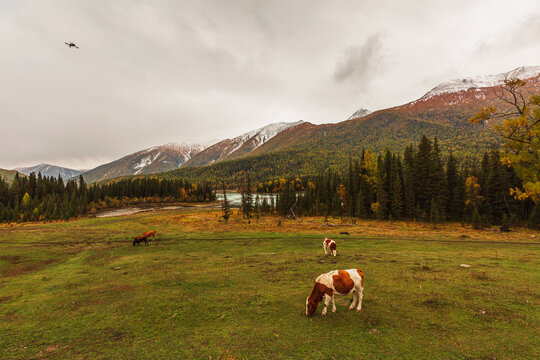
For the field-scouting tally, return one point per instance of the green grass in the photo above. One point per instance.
(80, 290)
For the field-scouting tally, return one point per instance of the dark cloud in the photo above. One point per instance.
(361, 63)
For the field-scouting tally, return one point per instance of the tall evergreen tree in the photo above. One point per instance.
(225, 205)
(423, 189)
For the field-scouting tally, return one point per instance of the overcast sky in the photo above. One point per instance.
(152, 72)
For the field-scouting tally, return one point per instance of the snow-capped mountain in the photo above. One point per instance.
(453, 102)
(359, 113)
(456, 85)
(240, 145)
(50, 170)
(148, 161)
(308, 149)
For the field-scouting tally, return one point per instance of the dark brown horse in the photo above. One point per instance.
(139, 239)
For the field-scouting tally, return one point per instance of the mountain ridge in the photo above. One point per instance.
(241, 145)
(155, 159)
(50, 170)
(308, 149)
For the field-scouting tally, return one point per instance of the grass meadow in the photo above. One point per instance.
(210, 290)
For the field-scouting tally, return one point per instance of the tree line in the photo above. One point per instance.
(38, 197)
(415, 185)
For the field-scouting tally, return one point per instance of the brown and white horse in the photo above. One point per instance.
(342, 282)
(329, 244)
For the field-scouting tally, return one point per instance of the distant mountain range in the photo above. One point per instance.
(443, 111)
(302, 148)
(50, 170)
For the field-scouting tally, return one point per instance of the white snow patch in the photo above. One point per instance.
(262, 135)
(144, 162)
(359, 113)
(523, 72)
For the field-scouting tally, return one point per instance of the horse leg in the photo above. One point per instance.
(360, 297)
(327, 300)
(354, 299)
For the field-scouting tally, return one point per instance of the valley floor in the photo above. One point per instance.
(211, 290)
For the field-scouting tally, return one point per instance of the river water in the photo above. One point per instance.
(235, 198)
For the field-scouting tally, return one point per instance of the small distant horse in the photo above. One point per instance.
(151, 234)
(329, 244)
(139, 239)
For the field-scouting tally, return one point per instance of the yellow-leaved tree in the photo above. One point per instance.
(520, 130)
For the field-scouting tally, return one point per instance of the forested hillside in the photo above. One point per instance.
(7, 175)
(376, 132)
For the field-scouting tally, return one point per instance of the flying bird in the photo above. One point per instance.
(72, 45)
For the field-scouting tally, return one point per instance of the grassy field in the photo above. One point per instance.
(210, 290)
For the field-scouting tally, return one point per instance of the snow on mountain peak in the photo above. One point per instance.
(262, 135)
(182, 146)
(50, 170)
(456, 85)
(360, 113)
(182, 153)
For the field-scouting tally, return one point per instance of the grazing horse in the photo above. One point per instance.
(139, 239)
(151, 234)
(329, 244)
(342, 282)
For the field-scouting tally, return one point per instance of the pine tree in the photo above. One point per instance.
(435, 213)
(408, 182)
(247, 199)
(225, 205)
(457, 200)
(397, 197)
(496, 188)
(382, 192)
(451, 186)
(422, 175)
(438, 181)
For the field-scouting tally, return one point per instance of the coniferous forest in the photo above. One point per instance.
(36, 197)
(415, 185)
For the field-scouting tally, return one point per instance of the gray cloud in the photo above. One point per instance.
(513, 37)
(149, 73)
(360, 63)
